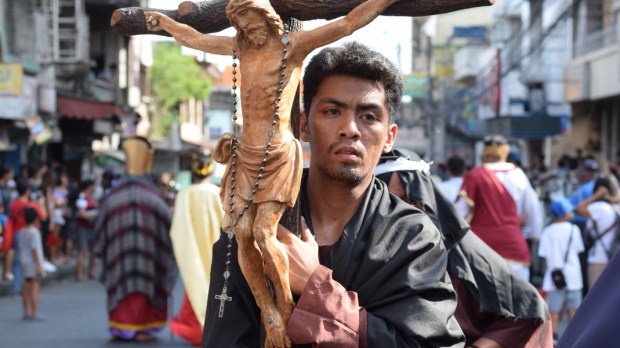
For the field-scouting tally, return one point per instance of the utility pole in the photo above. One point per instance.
(430, 112)
(435, 113)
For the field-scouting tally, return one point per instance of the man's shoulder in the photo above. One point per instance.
(120, 193)
(204, 187)
(30, 232)
(475, 172)
(406, 221)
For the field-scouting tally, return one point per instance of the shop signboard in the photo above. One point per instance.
(416, 85)
(11, 75)
(26, 104)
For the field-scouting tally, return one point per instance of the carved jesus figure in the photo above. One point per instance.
(265, 160)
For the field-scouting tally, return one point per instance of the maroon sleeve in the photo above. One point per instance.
(327, 314)
(475, 323)
(469, 187)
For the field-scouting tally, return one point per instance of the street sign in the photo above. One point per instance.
(11, 76)
(415, 85)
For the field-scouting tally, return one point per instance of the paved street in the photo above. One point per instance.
(76, 318)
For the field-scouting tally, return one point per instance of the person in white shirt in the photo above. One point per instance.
(602, 224)
(455, 169)
(560, 245)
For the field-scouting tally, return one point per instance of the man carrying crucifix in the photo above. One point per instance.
(264, 160)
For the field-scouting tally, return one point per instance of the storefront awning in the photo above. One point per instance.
(75, 107)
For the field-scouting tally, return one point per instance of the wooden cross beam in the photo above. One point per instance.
(208, 16)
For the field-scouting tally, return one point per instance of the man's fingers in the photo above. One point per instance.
(282, 233)
(306, 235)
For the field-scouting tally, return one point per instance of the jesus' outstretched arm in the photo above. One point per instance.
(188, 36)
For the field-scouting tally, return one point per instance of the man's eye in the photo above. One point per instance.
(332, 112)
(369, 117)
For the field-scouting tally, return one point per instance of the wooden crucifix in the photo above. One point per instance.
(264, 159)
(209, 16)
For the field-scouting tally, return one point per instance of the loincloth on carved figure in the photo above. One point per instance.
(280, 179)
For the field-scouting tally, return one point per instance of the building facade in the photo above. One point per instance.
(74, 80)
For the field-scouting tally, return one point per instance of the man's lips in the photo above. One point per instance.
(348, 152)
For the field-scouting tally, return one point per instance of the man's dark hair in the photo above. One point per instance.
(86, 183)
(5, 169)
(608, 183)
(456, 165)
(33, 169)
(30, 215)
(495, 139)
(356, 60)
(22, 187)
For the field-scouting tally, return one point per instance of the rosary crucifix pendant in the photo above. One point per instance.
(223, 297)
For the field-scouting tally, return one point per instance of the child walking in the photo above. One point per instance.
(560, 245)
(31, 262)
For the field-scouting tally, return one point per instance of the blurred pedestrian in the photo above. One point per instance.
(61, 215)
(18, 222)
(602, 225)
(195, 227)
(560, 245)
(455, 169)
(538, 168)
(6, 267)
(7, 187)
(586, 175)
(50, 240)
(132, 238)
(85, 223)
(502, 207)
(31, 263)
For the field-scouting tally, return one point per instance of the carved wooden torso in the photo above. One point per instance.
(260, 70)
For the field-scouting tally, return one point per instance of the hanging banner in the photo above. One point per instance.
(38, 130)
(11, 76)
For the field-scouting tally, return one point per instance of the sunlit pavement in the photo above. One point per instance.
(76, 317)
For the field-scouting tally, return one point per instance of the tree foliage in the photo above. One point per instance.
(175, 79)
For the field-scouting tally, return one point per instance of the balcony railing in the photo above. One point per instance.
(596, 41)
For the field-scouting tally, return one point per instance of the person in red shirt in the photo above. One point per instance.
(16, 222)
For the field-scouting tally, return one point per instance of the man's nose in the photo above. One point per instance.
(349, 127)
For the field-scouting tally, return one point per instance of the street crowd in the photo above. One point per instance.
(565, 222)
(65, 211)
(569, 222)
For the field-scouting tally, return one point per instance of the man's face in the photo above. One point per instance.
(253, 24)
(584, 176)
(347, 128)
(9, 175)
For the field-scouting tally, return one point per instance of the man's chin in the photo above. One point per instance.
(346, 175)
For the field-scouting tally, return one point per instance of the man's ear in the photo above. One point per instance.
(303, 127)
(391, 138)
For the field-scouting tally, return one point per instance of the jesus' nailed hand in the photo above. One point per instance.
(264, 160)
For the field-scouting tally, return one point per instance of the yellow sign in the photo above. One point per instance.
(443, 62)
(11, 76)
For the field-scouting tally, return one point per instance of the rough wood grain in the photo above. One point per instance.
(208, 16)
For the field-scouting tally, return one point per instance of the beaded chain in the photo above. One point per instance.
(223, 297)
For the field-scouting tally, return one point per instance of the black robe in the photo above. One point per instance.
(389, 253)
(594, 323)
